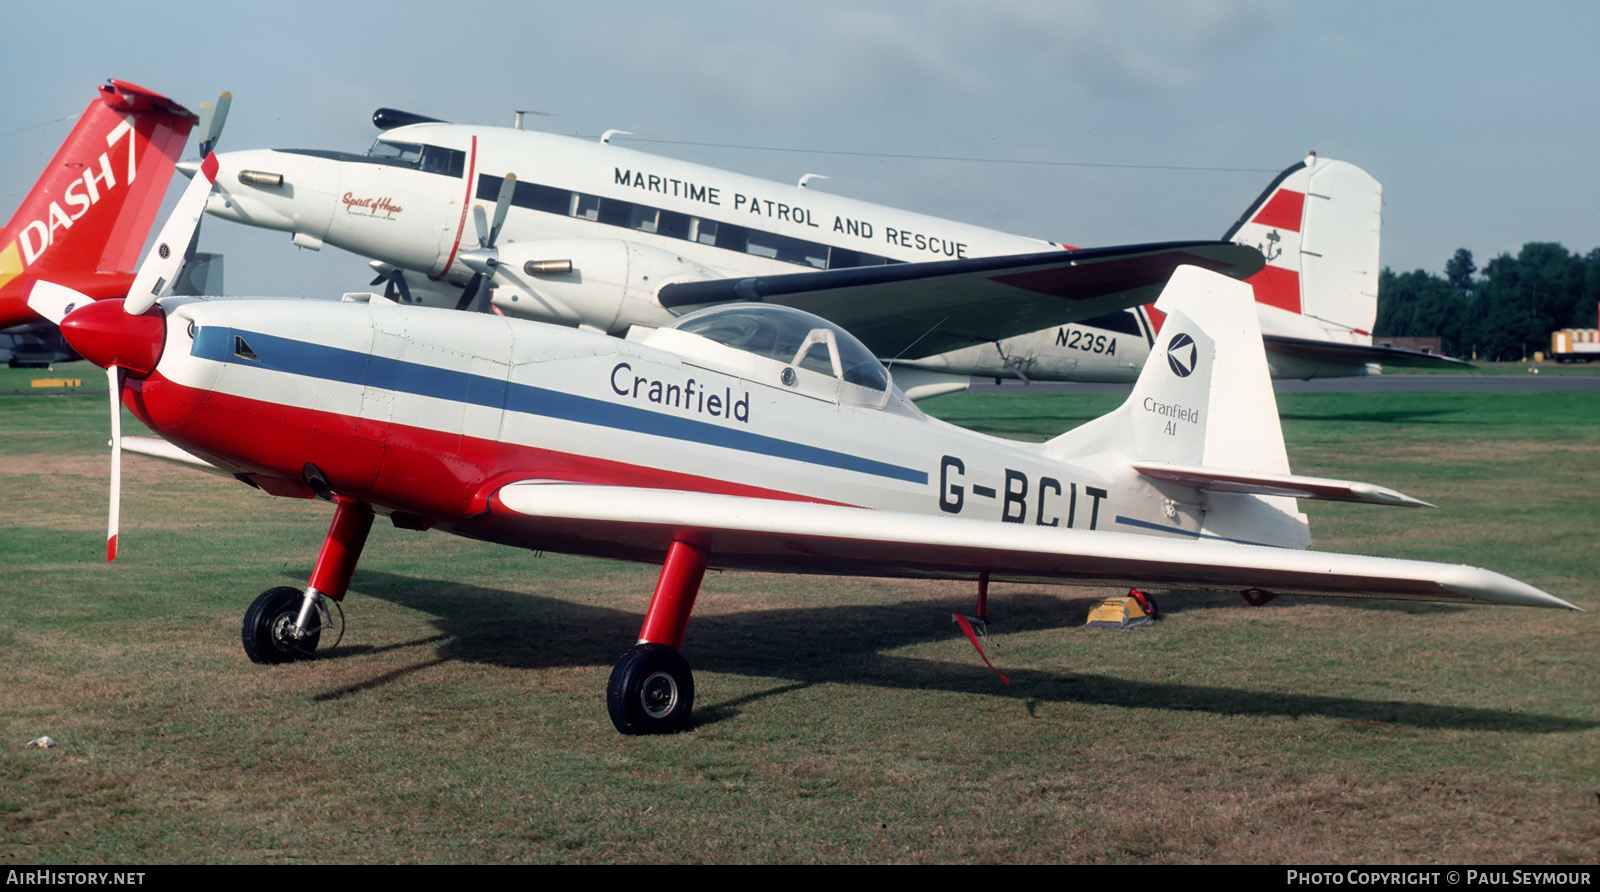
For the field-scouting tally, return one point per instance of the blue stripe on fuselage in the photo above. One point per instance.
(1192, 534)
(353, 367)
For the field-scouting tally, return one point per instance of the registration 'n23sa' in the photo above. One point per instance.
(1088, 342)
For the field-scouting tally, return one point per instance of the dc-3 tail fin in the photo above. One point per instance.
(1201, 425)
(1318, 226)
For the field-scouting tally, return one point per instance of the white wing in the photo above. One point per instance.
(805, 537)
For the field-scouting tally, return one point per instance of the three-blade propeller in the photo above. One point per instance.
(486, 259)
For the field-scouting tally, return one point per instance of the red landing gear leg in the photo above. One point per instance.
(651, 689)
(285, 623)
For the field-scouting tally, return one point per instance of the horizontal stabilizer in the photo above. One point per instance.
(1334, 353)
(805, 537)
(912, 310)
(1293, 485)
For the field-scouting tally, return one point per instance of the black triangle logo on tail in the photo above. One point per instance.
(1181, 354)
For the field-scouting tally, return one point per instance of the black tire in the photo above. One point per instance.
(651, 691)
(266, 628)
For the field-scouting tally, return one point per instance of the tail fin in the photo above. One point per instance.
(1203, 402)
(1318, 225)
(87, 218)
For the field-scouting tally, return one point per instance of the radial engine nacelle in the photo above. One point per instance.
(607, 283)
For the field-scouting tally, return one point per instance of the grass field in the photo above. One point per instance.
(838, 720)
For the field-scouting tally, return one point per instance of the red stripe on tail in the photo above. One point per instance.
(1282, 211)
(1277, 287)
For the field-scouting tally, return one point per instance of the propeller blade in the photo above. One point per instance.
(165, 261)
(502, 204)
(114, 377)
(397, 285)
(209, 131)
(54, 301)
(470, 293)
(202, 124)
(211, 121)
(480, 221)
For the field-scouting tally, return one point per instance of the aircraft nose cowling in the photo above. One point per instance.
(276, 189)
(106, 335)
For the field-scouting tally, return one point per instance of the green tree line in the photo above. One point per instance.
(1504, 312)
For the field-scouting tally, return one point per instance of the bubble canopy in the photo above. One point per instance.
(790, 336)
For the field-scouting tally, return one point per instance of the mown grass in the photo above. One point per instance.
(838, 720)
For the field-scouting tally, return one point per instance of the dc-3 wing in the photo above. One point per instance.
(797, 537)
(910, 310)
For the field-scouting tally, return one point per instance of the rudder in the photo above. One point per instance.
(1318, 224)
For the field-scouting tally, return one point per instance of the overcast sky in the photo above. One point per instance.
(1156, 120)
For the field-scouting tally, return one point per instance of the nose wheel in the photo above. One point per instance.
(269, 634)
(651, 691)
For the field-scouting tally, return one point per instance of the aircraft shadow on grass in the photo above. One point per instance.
(847, 644)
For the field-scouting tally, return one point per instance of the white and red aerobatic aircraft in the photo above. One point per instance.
(745, 436)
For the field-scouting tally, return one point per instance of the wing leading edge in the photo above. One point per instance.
(795, 537)
(912, 310)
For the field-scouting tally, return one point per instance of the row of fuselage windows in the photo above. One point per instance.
(627, 214)
(672, 224)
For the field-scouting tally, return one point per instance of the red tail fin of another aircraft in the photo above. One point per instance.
(87, 218)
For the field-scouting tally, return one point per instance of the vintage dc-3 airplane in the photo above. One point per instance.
(746, 436)
(88, 215)
(607, 237)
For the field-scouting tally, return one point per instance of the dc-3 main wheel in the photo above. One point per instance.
(269, 627)
(651, 691)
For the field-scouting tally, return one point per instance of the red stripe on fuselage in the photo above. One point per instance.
(441, 476)
(466, 202)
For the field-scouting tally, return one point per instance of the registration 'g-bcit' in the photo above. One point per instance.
(744, 436)
(592, 233)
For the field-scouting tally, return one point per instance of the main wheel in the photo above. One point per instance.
(268, 632)
(651, 691)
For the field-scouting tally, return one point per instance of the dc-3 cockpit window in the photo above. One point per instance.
(426, 158)
(796, 340)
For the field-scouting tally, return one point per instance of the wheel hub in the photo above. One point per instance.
(283, 632)
(658, 694)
